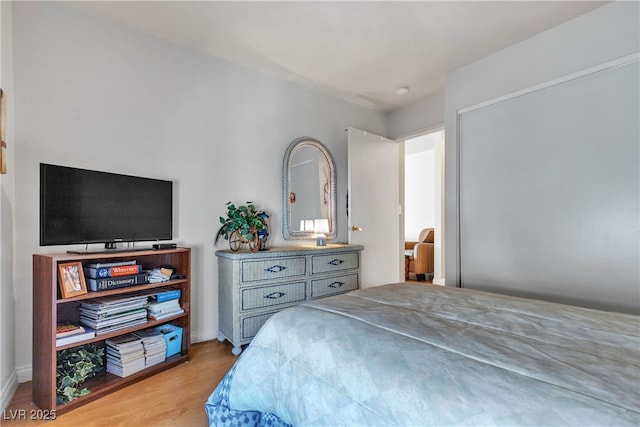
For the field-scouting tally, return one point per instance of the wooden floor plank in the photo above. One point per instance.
(174, 397)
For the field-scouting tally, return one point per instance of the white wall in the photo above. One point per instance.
(8, 372)
(605, 34)
(98, 96)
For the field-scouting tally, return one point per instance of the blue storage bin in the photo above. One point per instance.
(173, 337)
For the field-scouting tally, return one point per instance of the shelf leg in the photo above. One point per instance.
(236, 350)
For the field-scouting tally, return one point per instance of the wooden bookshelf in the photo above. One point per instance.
(49, 308)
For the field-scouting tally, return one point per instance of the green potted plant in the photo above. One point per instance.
(242, 225)
(74, 366)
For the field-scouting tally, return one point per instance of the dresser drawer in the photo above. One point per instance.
(249, 326)
(333, 285)
(334, 262)
(275, 268)
(270, 296)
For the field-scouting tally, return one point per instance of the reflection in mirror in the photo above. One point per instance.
(309, 189)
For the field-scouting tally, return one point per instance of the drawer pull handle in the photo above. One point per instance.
(275, 295)
(275, 268)
(335, 262)
(336, 285)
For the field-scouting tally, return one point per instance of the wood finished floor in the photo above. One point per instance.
(174, 397)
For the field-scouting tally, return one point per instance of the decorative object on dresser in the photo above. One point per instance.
(113, 312)
(254, 286)
(321, 228)
(243, 225)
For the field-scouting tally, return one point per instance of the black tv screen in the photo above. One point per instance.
(79, 206)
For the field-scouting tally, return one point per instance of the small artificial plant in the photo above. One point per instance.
(73, 367)
(246, 219)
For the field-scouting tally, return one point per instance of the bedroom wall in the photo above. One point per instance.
(91, 94)
(605, 34)
(8, 373)
(424, 116)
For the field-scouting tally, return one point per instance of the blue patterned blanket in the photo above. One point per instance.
(416, 355)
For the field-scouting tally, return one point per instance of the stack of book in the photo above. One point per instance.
(107, 314)
(125, 355)
(161, 274)
(103, 276)
(69, 333)
(154, 345)
(163, 303)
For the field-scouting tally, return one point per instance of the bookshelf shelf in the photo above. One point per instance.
(49, 308)
(102, 337)
(119, 291)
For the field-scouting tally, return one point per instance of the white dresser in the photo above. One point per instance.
(252, 286)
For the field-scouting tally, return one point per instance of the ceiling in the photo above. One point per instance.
(358, 51)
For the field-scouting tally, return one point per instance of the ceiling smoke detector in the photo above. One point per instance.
(402, 90)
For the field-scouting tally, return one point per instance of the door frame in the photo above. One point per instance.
(439, 226)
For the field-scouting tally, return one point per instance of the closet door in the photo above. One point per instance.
(550, 192)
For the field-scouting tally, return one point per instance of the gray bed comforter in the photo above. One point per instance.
(417, 355)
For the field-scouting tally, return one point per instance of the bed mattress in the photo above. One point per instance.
(411, 354)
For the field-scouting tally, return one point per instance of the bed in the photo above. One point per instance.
(416, 355)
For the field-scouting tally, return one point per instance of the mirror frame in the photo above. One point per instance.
(287, 232)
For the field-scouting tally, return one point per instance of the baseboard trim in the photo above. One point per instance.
(9, 390)
(438, 281)
(203, 336)
(25, 374)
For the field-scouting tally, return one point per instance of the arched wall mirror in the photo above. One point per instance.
(309, 189)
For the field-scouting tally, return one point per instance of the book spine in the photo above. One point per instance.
(165, 315)
(116, 282)
(65, 333)
(85, 335)
(166, 296)
(159, 306)
(111, 264)
(116, 271)
(164, 310)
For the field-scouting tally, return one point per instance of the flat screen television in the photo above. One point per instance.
(80, 206)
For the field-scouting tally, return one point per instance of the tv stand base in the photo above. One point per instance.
(109, 251)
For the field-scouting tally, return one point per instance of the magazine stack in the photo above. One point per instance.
(163, 303)
(154, 345)
(125, 355)
(107, 314)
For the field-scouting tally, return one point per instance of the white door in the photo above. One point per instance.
(374, 206)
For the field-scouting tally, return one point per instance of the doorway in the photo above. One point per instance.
(424, 192)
